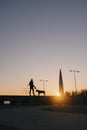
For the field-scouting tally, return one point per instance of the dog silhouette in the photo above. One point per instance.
(40, 92)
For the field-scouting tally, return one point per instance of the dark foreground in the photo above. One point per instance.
(4, 127)
(60, 117)
(75, 109)
(43, 113)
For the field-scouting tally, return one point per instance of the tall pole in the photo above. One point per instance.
(44, 83)
(74, 72)
(61, 88)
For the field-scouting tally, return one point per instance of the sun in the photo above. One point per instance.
(58, 94)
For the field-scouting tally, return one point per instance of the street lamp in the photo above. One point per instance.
(44, 83)
(74, 72)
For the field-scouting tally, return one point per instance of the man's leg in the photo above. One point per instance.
(30, 92)
(33, 91)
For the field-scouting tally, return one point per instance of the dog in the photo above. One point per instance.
(40, 91)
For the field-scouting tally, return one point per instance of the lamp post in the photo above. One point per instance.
(44, 83)
(74, 72)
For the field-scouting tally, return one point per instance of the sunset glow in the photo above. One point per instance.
(37, 39)
(58, 94)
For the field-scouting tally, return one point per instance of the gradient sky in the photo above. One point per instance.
(37, 38)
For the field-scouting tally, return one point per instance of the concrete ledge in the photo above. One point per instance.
(41, 100)
(28, 100)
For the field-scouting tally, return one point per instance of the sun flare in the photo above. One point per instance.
(58, 94)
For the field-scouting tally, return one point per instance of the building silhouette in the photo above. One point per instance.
(61, 88)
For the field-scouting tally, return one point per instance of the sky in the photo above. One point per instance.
(37, 39)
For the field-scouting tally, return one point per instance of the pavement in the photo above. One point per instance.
(36, 117)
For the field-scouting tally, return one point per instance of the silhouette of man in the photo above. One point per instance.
(31, 84)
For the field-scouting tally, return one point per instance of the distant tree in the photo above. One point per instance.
(67, 93)
(83, 92)
(74, 93)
